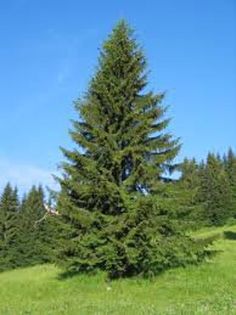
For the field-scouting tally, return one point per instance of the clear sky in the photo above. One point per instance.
(49, 51)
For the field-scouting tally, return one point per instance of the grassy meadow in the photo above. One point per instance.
(196, 290)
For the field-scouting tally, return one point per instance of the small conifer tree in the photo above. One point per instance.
(230, 168)
(215, 191)
(9, 205)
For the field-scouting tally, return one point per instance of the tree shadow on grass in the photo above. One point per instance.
(209, 252)
(230, 235)
(66, 275)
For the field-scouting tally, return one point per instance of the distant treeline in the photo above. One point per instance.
(210, 189)
(25, 239)
(204, 195)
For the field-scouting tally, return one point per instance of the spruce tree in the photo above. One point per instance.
(190, 178)
(107, 201)
(9, 205)
(33, 239)
(215, 191)
(189, 183)
(230, 168)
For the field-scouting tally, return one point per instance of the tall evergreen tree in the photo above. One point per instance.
(9, 205)
(112, 221)
(230, 167)
(189, 183)
(190, 177)
(215, 191)
(34, 237)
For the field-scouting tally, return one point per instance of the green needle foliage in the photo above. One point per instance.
(8, 227)
(31, 246)
(37, 235)
(215, 191)
(190, 186)
(112, 220)
(230, 168)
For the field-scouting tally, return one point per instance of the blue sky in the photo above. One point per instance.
(49, 51)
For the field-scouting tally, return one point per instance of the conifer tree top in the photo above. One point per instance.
(122, 145)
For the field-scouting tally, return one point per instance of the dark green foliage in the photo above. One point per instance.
(209, 189)
(215, 191)
(189, 186)
(30, 239)
(190, 173)
(144, 240)
(111, 218)
(230, 168)
(37, 236)
(8, 227)
(27, 236)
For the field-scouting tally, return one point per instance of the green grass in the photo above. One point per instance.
(208, 289)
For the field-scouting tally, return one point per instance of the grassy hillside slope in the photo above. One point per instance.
(206, 289)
